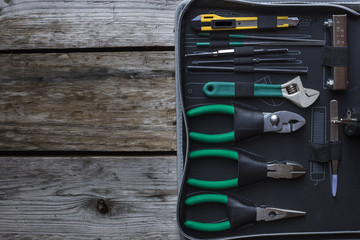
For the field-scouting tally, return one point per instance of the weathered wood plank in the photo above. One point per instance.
(33, 24)
(122, 101)
(60, 198)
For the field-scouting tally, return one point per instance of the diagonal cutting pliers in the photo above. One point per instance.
(292, 90)
(247, 122)
(249, 169)
(240, 212)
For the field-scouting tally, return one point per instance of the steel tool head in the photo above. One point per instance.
(294, 91)
(285, 170)
(271, 214)
(282, 122)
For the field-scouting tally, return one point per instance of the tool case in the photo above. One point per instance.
(330, 132)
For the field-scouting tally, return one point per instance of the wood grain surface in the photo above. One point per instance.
(102, 101)
(33, 24)
(88, 198)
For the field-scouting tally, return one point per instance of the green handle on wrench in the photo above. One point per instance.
(227, 89)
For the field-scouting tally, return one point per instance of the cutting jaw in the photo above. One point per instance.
(285, 170)
(282, 122)
(294, 91)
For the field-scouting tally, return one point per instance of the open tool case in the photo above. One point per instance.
(312, 146)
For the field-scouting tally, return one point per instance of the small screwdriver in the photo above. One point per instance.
(242, 69)
(302, 43)
(245, 60)
(242, 36)
(239, 51)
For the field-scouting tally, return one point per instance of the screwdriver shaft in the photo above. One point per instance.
(240, 61)
(249, 69)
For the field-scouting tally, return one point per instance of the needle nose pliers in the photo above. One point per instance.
(249, 169)
(292, 90)
(240, 212)
(247, 123)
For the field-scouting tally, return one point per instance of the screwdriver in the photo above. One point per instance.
(241, 69)
(242, 36)
(239, 51)
(246, 60)
(302, 43)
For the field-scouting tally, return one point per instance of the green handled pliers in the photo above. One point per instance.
(240, 212)
(292, 90)
(249, 169)
(247, 123)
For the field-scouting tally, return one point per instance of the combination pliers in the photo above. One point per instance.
(249, 169)
(247, 122)
(292, 90)
(240, 212)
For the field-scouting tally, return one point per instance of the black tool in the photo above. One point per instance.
(246, 60)
(351, 123)
(213, 22)
(239, 51)
(336, 56)
(302, 43)
(334, 138)
(249, 169)
(250, 69)
(247, 122)
(243, 36)
(240, 211)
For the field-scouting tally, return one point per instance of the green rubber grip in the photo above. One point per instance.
(205, 198)
(219, 89)
(214, 153)
(201, 44)
(207, 227)
(237, 36)
(236, 43)
(213, 138)
(267, 90)
(211, 109)
(225, 184)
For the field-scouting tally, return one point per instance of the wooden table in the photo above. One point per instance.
(88, 127)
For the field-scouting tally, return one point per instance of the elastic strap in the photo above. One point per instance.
(324, 152)
(335, 56)
(244, 89)
(335, 150)
(219, 43)
(267, 22)
(219, 35)
(319, 152)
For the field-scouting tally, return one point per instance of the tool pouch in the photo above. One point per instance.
(324, 152)
(310, 193)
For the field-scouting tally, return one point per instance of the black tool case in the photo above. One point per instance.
(327, 217)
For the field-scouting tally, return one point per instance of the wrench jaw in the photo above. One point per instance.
(295, 92)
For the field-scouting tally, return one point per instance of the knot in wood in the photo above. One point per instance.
(102, 206)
